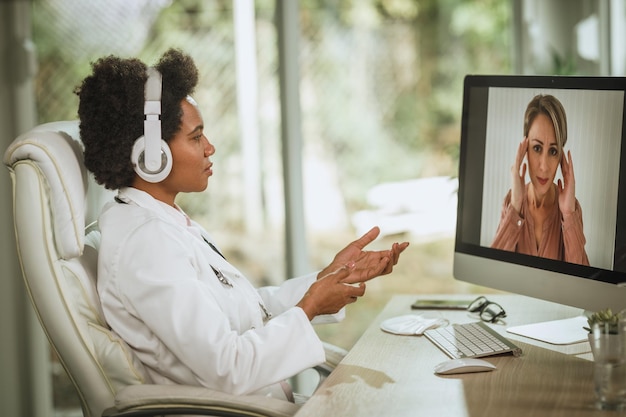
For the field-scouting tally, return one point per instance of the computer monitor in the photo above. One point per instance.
(492, 129)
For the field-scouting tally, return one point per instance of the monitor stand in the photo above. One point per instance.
(556, 332)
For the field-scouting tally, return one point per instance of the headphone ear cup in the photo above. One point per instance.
(137, 158)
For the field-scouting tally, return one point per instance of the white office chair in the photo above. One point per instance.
(56, 203)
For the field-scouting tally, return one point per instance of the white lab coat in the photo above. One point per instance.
(159, 288)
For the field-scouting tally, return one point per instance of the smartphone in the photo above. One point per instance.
(440, 304)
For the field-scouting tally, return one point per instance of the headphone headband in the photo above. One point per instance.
(151, 157)
(152, 123)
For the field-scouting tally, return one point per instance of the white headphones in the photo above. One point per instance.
(151, 156)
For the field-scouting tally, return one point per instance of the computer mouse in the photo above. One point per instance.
(463, 366)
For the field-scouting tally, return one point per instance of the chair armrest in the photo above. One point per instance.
(334, 355)
(154, 400)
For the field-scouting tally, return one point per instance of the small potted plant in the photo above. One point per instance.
(606, 319)
(603, 328)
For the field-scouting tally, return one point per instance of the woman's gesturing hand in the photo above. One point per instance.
(518, 181)
(368, 264)
(330, 293)
(343, 281)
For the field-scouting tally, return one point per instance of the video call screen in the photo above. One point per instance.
(492, 129)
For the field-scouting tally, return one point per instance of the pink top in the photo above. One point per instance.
(562, 239)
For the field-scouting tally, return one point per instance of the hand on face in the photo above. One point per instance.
(368, 264)
(518, 179)
(567, 187)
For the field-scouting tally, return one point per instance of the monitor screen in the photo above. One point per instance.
(542, 188)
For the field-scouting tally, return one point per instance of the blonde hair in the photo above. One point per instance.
(551, 107)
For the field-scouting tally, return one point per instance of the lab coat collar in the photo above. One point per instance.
(132, 195)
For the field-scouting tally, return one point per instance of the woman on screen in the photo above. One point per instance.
(542, 218)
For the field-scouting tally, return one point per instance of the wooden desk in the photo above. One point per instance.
(391, 375)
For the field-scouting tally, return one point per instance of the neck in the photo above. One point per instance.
(540, 200)
(156, 190)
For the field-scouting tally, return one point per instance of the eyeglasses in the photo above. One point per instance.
(487, 310)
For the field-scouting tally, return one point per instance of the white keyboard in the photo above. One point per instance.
(470, 340)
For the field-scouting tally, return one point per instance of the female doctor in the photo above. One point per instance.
(189, 315)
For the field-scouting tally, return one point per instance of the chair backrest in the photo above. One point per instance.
(56, 206)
